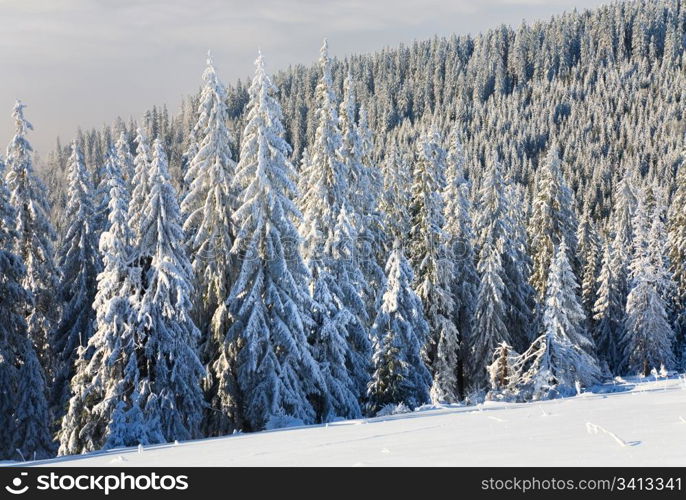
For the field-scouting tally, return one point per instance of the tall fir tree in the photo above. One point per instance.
(558, 359)
(490, 315)
(607, 311)
(399, 334)
(24, 417)
(325, 176)
(589, 253)
(266, 347)
(432, 265)
(676, 248)
(140, 184)
(35, 236)
(333, 222)
(552, 220)
(460, 236)
(208, 206)
(621, 225)
(648, 337)
(364, 191)
(163, 321)
(562, 297)
(80, 264)
(494, 221)
(108, 389)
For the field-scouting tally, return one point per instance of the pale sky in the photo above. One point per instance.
(85, 62)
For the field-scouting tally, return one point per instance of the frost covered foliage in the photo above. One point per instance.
(168, 359)
(676, 250)
(35, 235)
(396, 198)
(459, 235)
(208, 206)
(138, 379)
(490, 320)
(324, 188)
(501, 371)
(399, 334)
(80, 264)
(498, 223)
(590, 254)
(124, 161)
(24, 416)
(364, 192)
(558, 360)
(484, 155)
(339, 337)
(607, 312)
(140, 184)
(434, 270)
(104, 411)
(335, 222)
(648, 337)
(552, 220)
(613, 281)
(266, 347)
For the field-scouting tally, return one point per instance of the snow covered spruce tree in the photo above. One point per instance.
(399, 334)
(611, 305)
(490, 314)
(434, 270)
(140, 184)
(340, 338)
(325, 175)
(607, 311)
(191, 149)
(648, 337)
(621, 225)
(589, 260)
(80, 264)
(364, 190)
(557, 360)
(676, 247)
(24, 417)
(396, 198)
(101, 193)
(124, 159)
(34, 241)
(107, 389)
(460, 250)
(11, 301)
(168, 336)
(266, 347)
(494, 222)
(502, 372)
(350, 148)
(552, 220)
(340, 342)
(207, 207)
(333, 177)
(563, 292)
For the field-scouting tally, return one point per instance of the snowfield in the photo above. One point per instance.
(631, 422)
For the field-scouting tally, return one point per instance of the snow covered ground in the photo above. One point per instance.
(631, 423)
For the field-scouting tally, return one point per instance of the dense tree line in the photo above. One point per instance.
(499, 216)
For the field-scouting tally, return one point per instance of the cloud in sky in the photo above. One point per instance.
(84, 62)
